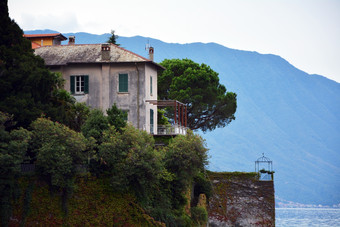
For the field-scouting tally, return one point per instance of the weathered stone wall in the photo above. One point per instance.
(240, 199)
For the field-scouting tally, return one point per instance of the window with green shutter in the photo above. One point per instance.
(150, 85)
(72, 84)
(151, 121)
(86, 84)
(79, 84)
(123, 83)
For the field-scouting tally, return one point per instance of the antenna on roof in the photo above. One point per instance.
(147, 46)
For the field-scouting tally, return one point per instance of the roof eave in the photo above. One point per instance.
(111, 62)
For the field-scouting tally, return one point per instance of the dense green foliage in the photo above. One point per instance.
(159, 179)
(202, 186)
(130, 159)
(161, 119)
(185, 157)
(59, 151)
(116, 117)
(199, 215)
(13, 147)
(127, 158)
(209, 103)
(95, 124)
(93, 204)
(27, 88)
(77, 116)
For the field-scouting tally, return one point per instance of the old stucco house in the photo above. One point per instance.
(102, 75)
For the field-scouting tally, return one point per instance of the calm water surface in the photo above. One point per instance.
(291, 217)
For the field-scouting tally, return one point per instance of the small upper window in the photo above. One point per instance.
(123, 83)
(79, 84)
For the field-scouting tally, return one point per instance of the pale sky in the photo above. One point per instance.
(304, 32)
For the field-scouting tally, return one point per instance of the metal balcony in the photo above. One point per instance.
(167, 130)
(171, 130)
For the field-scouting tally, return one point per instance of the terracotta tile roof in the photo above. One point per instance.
(87, 53)
(45, 35)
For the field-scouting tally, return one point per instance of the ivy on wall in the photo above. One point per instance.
(92, 204)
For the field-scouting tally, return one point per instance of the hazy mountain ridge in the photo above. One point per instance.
(289, 115)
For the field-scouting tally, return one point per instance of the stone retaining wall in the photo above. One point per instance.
(240, 199)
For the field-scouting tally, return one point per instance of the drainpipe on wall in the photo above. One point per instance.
(137, 95)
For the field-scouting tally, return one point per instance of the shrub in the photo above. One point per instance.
(116, 117)
(130, 159)
(95, 124)
(199, 215)
(58, 151)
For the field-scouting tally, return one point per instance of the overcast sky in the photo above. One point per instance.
(304, 32)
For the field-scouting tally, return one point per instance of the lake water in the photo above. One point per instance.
(291, 217)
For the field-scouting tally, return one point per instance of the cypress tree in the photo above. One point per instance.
(27, 88)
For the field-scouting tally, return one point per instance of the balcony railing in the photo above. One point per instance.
(167, 129)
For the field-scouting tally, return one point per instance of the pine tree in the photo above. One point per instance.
(113, 38)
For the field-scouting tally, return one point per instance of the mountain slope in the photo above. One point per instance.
(290, 116)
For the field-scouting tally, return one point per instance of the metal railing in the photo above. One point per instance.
(167, 129)
(171, 130)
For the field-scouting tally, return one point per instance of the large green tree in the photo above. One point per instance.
(27, 88)
(198, 86)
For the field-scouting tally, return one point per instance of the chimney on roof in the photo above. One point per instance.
(106, 52)
(71, 40)
(151, 50)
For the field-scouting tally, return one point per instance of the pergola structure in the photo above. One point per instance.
(180, 113)
(180, 117)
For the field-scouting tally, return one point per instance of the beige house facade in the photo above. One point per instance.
(102, 75)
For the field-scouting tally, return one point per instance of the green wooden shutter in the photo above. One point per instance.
(150, 85)
(151, 121)
(72, 84)
(86, 84)
(123, 83)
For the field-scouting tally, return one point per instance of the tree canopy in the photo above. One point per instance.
(27, 88)
(198, 86)
(58, 151)
(113, 38)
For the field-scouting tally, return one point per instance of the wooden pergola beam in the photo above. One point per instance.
(164, 103)
(180, 113)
